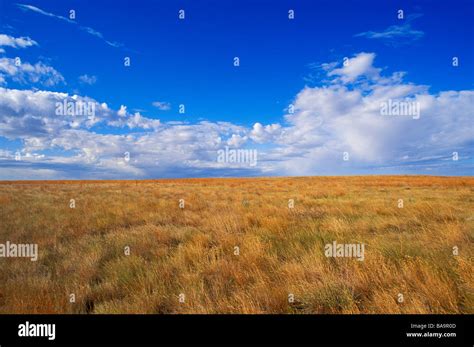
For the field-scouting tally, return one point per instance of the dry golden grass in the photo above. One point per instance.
(191, 251)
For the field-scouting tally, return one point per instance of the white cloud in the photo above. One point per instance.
(122, 112)
(396, 35)
(237, 140)
(86, 29)
(338, 118)
(26, 73)
(133, 121)
(268, 133)
(30, 117)
(342, 116)
(162, 105)
(44, 13)
(360, 65)
(16, 42)
(393, 32)
(86, 79)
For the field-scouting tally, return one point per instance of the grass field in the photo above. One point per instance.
(237, 246)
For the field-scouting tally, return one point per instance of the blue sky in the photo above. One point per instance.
(283, 62)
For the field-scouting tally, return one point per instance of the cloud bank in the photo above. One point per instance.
(336, 128)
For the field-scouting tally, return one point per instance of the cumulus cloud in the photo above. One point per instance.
(86, 79)
(237, 140)
(26, 73)
(338, 118)
(268, 133)
(33, 118)
(134, 121)
(162, 105)
(122, 112)
(353, 68)
(341, 116)
(16, 42)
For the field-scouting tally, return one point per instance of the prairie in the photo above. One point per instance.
(249, 245)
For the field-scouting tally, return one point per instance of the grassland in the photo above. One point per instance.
(191, 250)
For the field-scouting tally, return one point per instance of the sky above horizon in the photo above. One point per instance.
(308, 87)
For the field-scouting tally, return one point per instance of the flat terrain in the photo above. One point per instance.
(237, 247)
